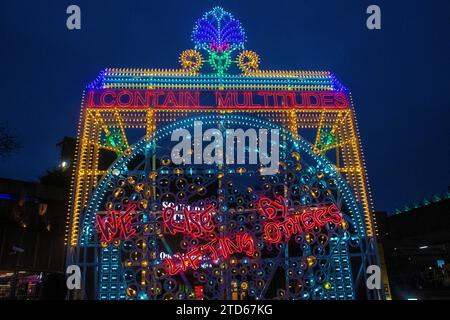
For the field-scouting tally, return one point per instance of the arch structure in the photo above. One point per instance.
(172, 195)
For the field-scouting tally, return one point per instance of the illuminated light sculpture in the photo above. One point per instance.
(219, 34)
(142, 227)
(191, 60)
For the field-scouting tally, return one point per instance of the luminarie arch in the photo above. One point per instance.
(124, 181)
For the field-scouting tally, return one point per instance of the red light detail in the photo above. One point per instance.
(197, 223)
(271, 208)
(279, 223)
(198, 291)
(217, 99)
(214, 249)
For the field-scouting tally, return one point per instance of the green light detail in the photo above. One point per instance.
(327, 138)
(114, 140)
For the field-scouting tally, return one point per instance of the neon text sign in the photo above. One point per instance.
(213, 250)
(280, 224)
(116, 224)
(216, 99)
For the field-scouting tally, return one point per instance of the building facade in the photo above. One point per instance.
(416, 243)
(32, 237)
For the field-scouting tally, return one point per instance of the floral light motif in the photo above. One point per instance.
(219, 34)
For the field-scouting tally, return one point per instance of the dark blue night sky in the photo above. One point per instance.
(399, 76)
